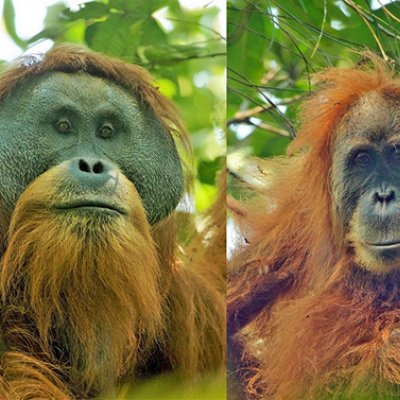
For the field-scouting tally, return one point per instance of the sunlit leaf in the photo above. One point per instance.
(207, 170)
(117, 36)
(9, 21)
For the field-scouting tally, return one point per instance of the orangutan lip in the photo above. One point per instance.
(388, 245)
(91, 204)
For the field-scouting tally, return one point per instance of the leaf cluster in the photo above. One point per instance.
(274, 48)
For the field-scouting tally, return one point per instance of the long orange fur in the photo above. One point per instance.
(307, 322)
(89, 304)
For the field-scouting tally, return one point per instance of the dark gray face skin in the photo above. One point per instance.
(60, 116)
(366, 180)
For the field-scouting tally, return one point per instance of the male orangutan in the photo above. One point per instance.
(93, 292)
(314, 296)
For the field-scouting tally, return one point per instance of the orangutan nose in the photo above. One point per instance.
(92, 172)
(385, 196)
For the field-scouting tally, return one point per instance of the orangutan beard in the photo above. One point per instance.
(81, 286)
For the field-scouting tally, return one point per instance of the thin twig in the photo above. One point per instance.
(244, 116)
(363, 15)
(322, 30)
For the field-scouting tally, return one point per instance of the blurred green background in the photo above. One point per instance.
(182, 43)
(274, 48)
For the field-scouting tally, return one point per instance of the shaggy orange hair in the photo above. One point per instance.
(304, 322)
(90, 303)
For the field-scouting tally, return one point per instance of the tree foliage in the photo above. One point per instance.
(274, 48)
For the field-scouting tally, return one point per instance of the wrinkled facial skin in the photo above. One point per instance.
(366, 180)
(59, 116)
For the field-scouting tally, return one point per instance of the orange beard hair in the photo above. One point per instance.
(334, 343)
(26, 377)
(88, 287)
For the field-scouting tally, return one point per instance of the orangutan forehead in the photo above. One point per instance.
(374, 118)
(79, 85)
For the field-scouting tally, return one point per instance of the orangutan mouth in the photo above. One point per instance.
(385, 245)
(91, 205)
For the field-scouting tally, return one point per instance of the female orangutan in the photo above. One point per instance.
(94, 291)
(314, 297)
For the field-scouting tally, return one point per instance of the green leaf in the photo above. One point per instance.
(246, 43)
(118, 36)
(54, 15)
(47, 33)
(154, 34)
(9, 21)
(170, 54)
(207, 170)
(54, 24)
(90, 10)
(138, 6)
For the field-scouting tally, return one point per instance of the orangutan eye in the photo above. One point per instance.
(363, 159)
(106, 131)
(395, 155)
(63, 126)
